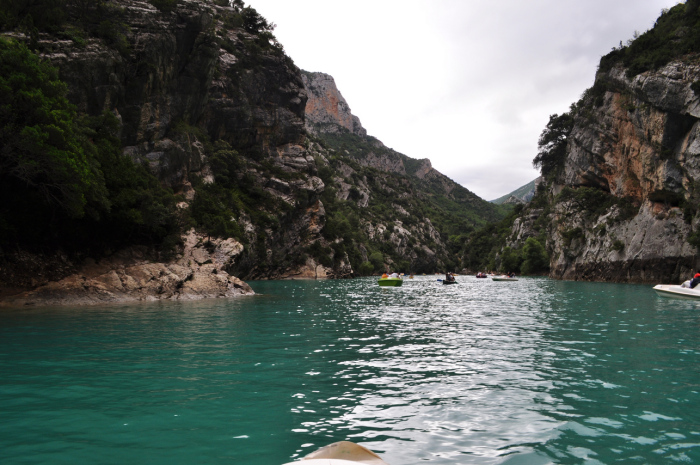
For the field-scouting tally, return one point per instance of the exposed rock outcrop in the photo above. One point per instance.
(326, 109)
(186, 69)
(131, 276)
(181, 79)
(644, 139)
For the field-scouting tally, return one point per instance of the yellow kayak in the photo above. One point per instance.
(341, 453)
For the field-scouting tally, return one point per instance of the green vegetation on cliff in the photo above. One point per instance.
(675, 33)
(63, 176)
(383, 189)
(486, 249)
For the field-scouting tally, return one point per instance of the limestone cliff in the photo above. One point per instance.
(183, 68)
(623, 205)
(641, 145)
(326, 109)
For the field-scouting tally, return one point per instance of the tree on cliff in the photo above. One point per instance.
(41, 150)
(552, 143)
(535, 259)
(63, 176)
(32, 15)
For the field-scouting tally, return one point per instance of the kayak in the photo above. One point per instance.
(448, 282)
(341, 453)
(390, 282)
(676, 291)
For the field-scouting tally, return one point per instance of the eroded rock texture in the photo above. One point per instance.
(640, 143)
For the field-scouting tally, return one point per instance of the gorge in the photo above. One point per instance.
(192, 153)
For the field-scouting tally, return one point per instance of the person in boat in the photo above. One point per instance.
(695, 281)
(384, 275)
(449, 277)
(394, 275)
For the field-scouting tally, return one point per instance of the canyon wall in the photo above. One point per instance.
(624, 206)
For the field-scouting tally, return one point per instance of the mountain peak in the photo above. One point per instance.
(326, 108)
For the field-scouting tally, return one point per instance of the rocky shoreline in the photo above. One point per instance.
(129, 276)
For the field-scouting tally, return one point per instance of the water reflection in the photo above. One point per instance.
(527, 372)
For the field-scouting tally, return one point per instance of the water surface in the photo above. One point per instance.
(529, 372)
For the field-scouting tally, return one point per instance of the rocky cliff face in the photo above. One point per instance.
(178, 80)
(186, 68)
(207, 99)
(326, 109)
(643, 141)
(624, 206)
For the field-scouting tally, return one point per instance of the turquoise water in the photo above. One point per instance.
(529, 372)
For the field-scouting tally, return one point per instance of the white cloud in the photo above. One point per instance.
(469, 84)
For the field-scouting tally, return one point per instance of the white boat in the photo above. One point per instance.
(677, 291)
(503, 278)
(341, 453)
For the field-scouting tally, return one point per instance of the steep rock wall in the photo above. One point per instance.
(181, 80)
(186, 67)
(642, 144)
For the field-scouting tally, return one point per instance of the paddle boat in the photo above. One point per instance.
(678, 291)
(341, 453)
(390, 282)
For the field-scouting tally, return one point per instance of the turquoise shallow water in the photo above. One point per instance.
(529, 372)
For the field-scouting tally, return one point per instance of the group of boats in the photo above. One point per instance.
(680, 291)
(396, 280)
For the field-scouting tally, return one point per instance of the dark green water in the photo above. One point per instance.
(529, 372)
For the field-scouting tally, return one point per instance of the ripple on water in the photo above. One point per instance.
(483, 372)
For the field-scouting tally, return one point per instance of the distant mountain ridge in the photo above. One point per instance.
(523, 193)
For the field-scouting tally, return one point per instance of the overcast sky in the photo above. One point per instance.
(469, 84)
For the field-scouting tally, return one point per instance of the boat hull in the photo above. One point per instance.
(390, 282)
(449, 282)
(341, 453)
(675, 291)
(503, 278)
